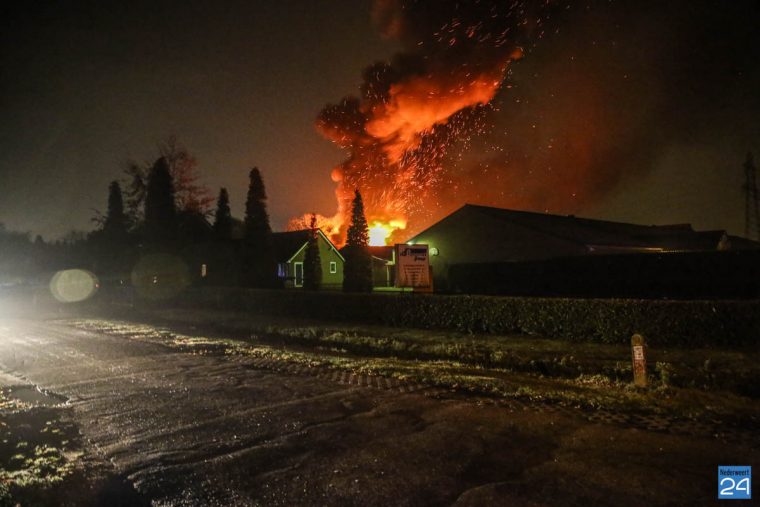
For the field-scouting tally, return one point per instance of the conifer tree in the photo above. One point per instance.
(357, 270)
(312, 264)
(160, 213)
(115, 225)
(110, 245)
(223, 216)
(259, 261)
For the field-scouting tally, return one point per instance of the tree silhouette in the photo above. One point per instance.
(190, 196)
(357, 270)
(259, 261)
(160, 211)
(110, 245)
(17, 255)
(116, 224)
(223, 216)
(136, 184)
(312, 264)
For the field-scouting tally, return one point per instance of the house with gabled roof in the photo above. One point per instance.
(290, 252)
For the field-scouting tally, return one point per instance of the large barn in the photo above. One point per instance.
(485, 235)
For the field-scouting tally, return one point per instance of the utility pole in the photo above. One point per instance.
(751, 203)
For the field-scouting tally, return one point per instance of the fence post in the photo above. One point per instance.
(638, 356)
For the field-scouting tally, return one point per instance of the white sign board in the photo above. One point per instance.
(412, 266)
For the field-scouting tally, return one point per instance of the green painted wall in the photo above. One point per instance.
(327, 254)
(467, 236)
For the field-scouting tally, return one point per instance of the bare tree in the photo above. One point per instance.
(190, 194)
(136, 186)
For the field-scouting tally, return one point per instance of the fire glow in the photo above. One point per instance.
(381, 232)
(431, 98)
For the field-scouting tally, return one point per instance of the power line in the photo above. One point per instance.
(751, 203)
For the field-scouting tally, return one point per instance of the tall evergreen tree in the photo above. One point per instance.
(110, 245)
(312, 263)
(259, 261)
(115, 225)
(357, 270)
(160, 212)
(223, 216)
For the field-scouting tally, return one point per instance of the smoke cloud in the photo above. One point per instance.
(432, 97)
(531, 105)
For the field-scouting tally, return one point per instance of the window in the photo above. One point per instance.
(282, 270)
(333, 267)
(298, 279)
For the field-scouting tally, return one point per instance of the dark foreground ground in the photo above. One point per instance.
(146, 422)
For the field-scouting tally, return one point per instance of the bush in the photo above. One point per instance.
(663, 323)
(733, 274)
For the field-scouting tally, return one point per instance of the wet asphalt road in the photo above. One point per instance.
(215, 430)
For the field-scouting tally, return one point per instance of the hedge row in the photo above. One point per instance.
(664, 323)
(681, 275)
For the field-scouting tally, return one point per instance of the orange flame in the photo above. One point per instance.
(414, 108)
(331, 226)
(381, 232)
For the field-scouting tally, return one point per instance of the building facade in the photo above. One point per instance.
(485, 235)
(290, 252)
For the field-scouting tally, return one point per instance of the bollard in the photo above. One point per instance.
(638, 355)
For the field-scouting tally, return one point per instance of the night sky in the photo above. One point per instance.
(621, 110)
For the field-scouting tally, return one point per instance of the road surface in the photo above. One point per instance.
(192, 429)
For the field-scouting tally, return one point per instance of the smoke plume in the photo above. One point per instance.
(544, 106)
(432, 97)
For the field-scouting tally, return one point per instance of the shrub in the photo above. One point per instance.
(663, 323)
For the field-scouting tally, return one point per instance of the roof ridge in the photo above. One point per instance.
(538, 229)
(572, 217)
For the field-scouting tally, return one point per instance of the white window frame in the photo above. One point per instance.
(295, 274)
(333, 267)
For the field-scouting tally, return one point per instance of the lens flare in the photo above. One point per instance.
(73, 285)
(160, 276)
